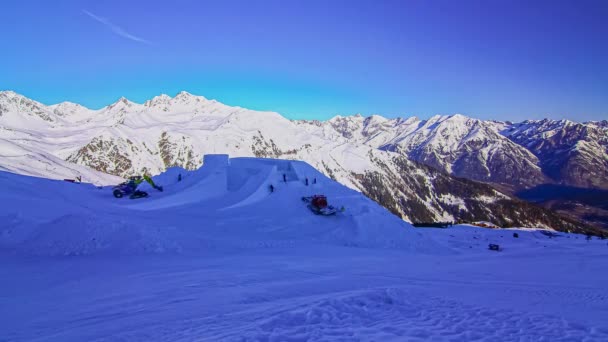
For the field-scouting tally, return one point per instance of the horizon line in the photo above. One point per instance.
(358, 114)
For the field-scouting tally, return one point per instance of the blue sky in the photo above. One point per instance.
(494, 59)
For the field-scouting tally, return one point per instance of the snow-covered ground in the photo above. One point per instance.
(218, 257)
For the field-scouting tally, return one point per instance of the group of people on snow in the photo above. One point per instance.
(314, 181)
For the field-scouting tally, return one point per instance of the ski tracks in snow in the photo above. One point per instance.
(377, 314)
(397, 314)
(359, 296)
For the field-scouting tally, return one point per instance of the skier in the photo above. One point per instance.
(284, 178)
(314, 181)
(271, 188)
(306, 181)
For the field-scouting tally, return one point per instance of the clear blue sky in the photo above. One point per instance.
(499, 59)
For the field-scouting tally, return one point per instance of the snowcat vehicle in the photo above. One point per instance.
(318, 205)
(127, 189)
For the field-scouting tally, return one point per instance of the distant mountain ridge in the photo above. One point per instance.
(570, 153)
(380, 157)
(519, 155)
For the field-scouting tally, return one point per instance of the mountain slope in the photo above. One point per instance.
(571, 153)
(461, 146)
(126, 138)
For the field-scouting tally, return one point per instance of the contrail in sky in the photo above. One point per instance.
(117, 29)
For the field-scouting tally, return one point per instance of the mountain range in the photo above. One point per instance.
(446, 168)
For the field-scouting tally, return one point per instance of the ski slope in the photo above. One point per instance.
(218, 257)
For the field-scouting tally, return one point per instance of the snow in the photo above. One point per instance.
(127, 138)
(19, 159)
(226, 260)
(453, 200)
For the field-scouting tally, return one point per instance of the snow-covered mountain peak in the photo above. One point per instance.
(350, 118)
(407, 121)
(567, 122)
(122, 105)
(7, 93)
(459, 117)
(67, 109)
(374, 118)
(600, 124)
(121, 101)
(160, 100)
(185, 94)
(347, 125)
(183, 102)
(162, 97)
(67, 104)
(186, 97)
(454, 119)
(20, 105)
(435, 119)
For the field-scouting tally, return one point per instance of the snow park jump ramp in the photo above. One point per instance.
(208, 182)
(221, 182)
(239, 196)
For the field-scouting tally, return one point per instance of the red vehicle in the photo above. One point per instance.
(318, 205)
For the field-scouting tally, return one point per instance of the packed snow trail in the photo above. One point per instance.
(226, 260)
(310, 292)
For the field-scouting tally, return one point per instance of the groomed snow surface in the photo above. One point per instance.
(217, 257)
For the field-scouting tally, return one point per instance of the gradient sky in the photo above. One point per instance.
(491, 59)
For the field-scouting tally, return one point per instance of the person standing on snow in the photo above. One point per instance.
(306, 181)
(285, 178)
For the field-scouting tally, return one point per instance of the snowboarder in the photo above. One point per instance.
(285, 178)
(271, 188)
(306, 181)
